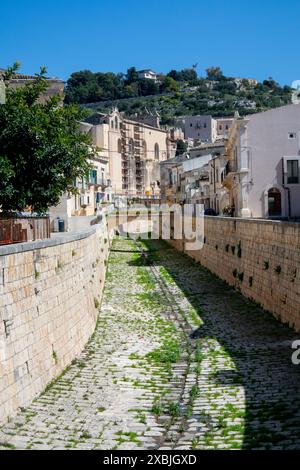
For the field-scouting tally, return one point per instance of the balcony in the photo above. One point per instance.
(100, 183)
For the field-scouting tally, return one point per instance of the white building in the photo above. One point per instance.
(188, 178)
(147, 73)
(263, 169)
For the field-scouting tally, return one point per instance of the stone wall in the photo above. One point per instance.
(50, 292)
(260, 258)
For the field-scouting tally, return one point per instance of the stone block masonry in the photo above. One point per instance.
(50, 292)
(260, 258)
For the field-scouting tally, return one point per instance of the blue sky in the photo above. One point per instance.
(254, 38)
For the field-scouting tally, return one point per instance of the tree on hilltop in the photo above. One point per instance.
(214, 73)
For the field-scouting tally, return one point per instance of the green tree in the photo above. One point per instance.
(169, 85)
(147, 87)
(185, 75)
(132, 75)
(188, 75)
(82, 87)
(42, 151)
(214, 73)
(181, 147)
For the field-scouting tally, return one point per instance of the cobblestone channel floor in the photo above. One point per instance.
(178, 361)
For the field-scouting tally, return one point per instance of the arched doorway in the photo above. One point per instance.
(274, 202)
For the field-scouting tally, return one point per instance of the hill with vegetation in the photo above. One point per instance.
(176, 94)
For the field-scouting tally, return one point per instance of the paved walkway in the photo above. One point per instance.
(178, 360)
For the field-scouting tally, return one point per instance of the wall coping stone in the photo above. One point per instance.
(48, 242)
(279, 223)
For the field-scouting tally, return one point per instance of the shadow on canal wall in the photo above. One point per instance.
(258, 257)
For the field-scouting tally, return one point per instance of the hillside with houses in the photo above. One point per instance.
(177, 93)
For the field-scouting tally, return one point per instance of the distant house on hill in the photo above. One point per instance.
(147, 73)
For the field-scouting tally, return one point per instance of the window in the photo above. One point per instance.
(292, 172)
(131, 147)
(204, 125)
(144, 148)
(191, 125)
(116, 123)
(112, 124)
(292, 135)
(220, 127)
(93, 176)
(119, 146)
(156, 151)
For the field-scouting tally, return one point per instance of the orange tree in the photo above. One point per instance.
(42, 151)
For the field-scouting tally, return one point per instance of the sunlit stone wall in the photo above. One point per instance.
(50, 292)
(261, 258)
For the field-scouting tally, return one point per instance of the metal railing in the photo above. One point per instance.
(23, 229)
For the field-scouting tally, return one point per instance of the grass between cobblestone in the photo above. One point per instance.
(178, 360)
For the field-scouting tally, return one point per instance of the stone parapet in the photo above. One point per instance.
(50, 292)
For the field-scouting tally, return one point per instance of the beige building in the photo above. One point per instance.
(218, 195)
(170, 179)
(195, 182)
(125, 156)
(205, 128)
(55, 86)
(134, 150)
